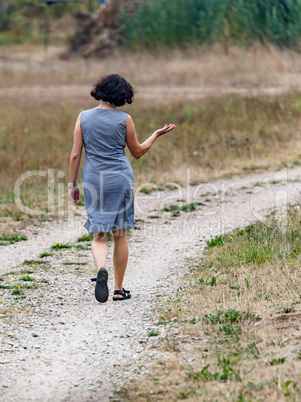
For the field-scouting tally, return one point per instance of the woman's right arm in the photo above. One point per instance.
(75, 158)
(137, 149)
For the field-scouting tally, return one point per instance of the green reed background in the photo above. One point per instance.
(165, 23)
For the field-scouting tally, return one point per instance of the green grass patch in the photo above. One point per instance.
(259, 243)
(275, 362)
(11, 239)
(217, 241)
(145, 190)
(9, 273)
(80, 247)
(152, 333)
(193, 321)
(86, 237)
(27, 286)
(33, 262)
(231, 330)
(31, 36)
(288, 309)
(17, 292)
(185, 208)
(175, 213)
(228, 316)
(260, 184)
(59, 246)
(227, 373)
(190, 207)
(89, 237)
(27, 278)
(207, 282)
(186, 394)
(194, 183)
(170, 187)
(45, 254)
(7, 286)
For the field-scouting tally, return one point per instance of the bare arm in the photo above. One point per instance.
(75, 158)
(137, 149)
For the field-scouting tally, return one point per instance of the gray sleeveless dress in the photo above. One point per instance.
(108, 178)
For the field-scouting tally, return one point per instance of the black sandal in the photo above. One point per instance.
(101, 288)
(126, 294)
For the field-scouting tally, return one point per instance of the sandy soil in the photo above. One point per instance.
(58, 343)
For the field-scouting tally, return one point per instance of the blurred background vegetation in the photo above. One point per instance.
(163, 23)
(227, 72)
(23, 20)
(193, 22)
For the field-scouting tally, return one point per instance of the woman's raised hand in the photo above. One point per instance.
(165, 129)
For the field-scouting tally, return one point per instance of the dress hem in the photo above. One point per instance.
(99, 228)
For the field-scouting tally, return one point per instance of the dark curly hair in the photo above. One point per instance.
(113, 89)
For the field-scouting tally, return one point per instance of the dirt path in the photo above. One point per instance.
(58, 343)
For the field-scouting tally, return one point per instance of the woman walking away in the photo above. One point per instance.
(108, 179)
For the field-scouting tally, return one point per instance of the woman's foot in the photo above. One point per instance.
(121, 294)
(101, 288)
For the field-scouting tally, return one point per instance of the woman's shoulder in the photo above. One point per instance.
(88, 114)
(97, 109)
(88, 111)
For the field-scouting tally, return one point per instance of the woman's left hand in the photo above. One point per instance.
(165, 129)
(74, 195)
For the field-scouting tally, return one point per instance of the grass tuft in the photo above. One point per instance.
(227, 373)
(33, 262)
(59, 246)
(17, 292)
(175, 209)
(259, 243)
(11, 239)
(152, 333)
(86, 237)
(275, 362)
(27, 278)
(45, 254)
(228, 316)
(145, 190)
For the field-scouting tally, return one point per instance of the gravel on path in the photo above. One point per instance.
(58, 343)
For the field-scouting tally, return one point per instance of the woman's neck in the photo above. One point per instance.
(107, 105)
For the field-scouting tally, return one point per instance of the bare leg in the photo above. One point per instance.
(120, 257)
(100, 249)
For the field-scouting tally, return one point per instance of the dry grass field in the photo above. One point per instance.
(234, 113)
(231, 332)
(197, 68)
